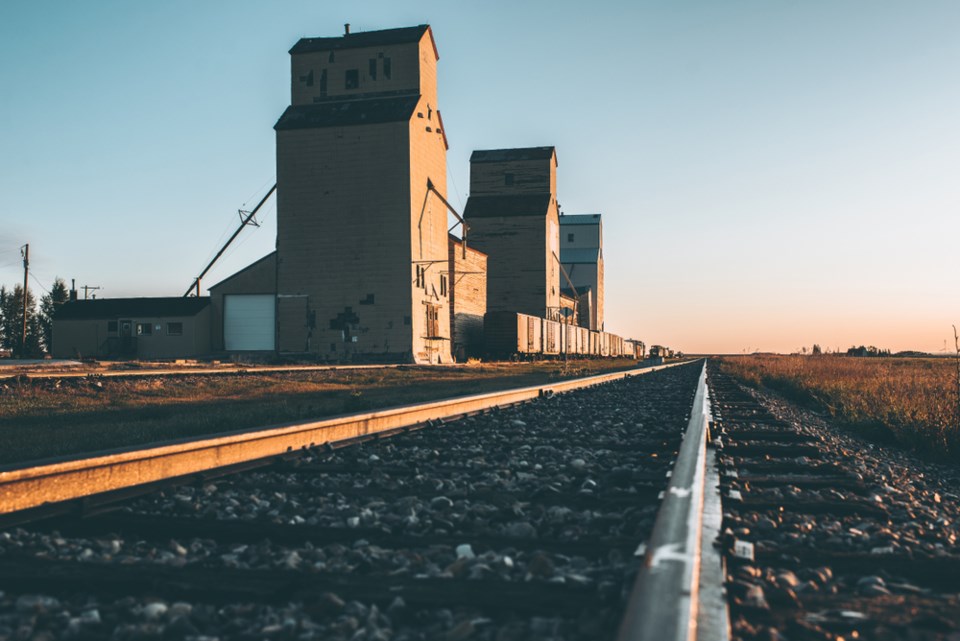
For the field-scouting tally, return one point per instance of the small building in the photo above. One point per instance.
(144, 328)
(243, 309)
(512, 217)
(581, 252)
(468, 299)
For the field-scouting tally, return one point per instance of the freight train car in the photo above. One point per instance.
(508, 334)
(514, 335)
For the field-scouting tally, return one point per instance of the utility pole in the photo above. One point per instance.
(87, 289)
(25, 250)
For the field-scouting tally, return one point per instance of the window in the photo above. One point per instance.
(421, 276)
(569, 238)
(352, 79)
(323, 82)
(174, 329)
(386, 68)
(332, 57)
(508, 180)
(307, 79)
(433, 321)
(144, 329)
(111, 327)
(443, 284)
(373, 68)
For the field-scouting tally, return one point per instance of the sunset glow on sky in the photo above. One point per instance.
(771, 174)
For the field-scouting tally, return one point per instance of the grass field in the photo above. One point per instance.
(57, 417)
(910, 400)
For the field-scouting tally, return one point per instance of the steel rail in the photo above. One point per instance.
(199, 371)
(664, 604)
(59, 481)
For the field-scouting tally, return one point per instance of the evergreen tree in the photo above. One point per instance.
(3, 317)
(49, 305)
(12, 313)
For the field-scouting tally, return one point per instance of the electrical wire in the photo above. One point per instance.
(37, 281)
(231, 225)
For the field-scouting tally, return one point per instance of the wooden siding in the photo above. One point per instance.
(528, 177)
(355, 220)
(468, 299)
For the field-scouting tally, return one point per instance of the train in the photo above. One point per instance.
(512, 335)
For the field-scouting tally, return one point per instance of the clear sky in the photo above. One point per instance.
(771, 173)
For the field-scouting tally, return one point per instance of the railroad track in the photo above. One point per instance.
(521, 522)
(827, 536)
(587, 515)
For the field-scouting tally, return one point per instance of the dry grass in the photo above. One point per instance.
(910, 400)
(46, 418)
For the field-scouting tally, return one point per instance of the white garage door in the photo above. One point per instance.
(248, 322)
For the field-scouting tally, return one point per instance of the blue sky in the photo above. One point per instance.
(772, 174)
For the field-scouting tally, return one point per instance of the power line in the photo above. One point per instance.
(39, 284)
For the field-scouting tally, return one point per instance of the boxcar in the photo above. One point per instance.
(507, 334)
(551, 337)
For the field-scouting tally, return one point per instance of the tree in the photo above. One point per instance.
(49, 305)
(815, 350)
(12, 313)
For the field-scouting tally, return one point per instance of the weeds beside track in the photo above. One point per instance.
(912, 401)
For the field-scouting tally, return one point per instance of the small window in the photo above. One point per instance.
(508, 180)
(111, 327)
(332, 57)
(386, 68)
(422, 276)
(352, 79)
(174, 329)
(373, 68)
(323, 82)
(144, 329)
(307, 79)
(569, 238)
(443, 284)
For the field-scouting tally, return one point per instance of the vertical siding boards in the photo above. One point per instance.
(581, 243)
(467, 284)
(513, 218)
(355, 220)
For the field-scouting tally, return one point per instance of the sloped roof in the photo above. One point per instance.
(360, 39)
(503, 155)
(272, 256)
(588, 255)
(493, 206)
(458, 243)
(113, 308)
(343, 113)
(579, 219)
